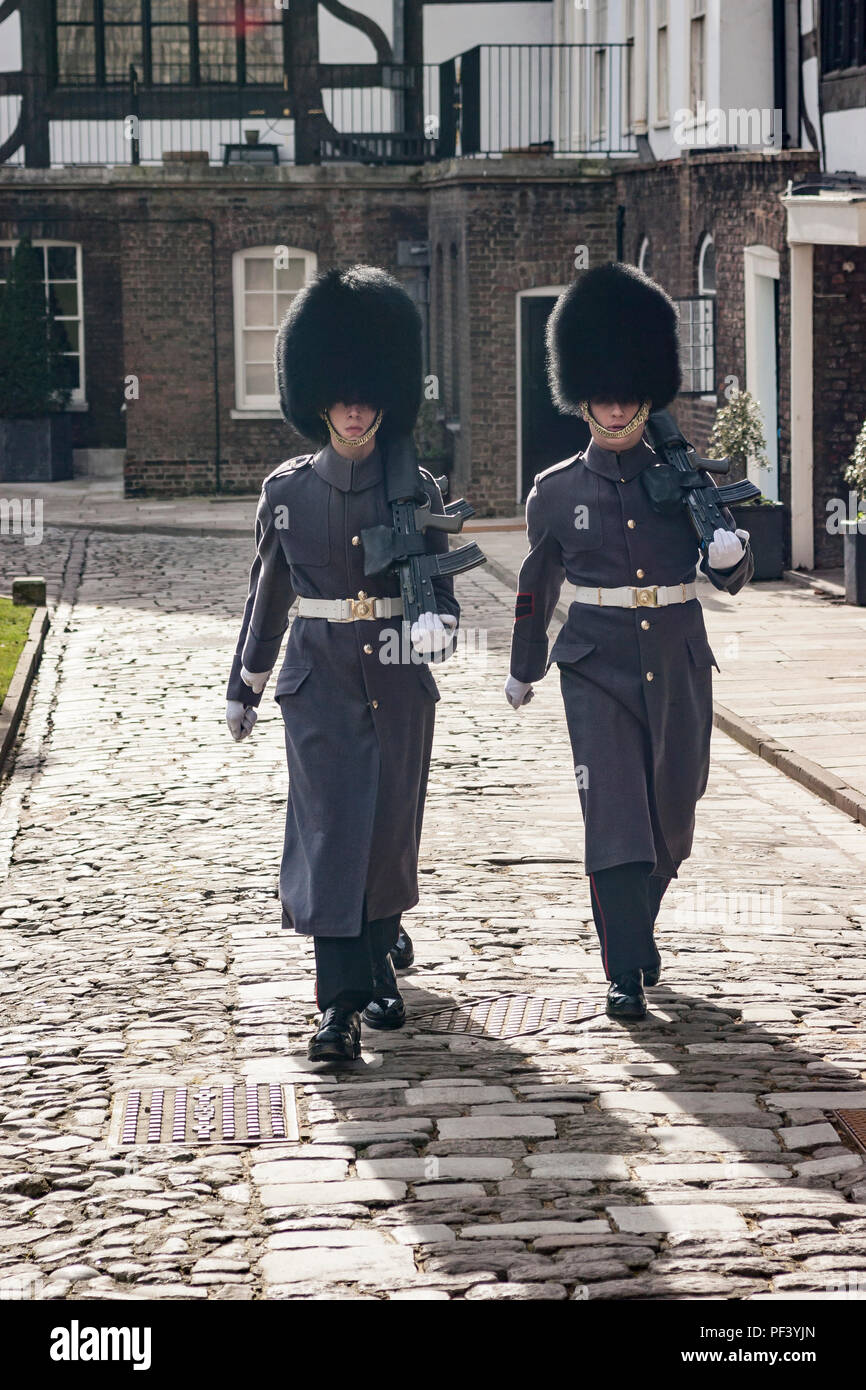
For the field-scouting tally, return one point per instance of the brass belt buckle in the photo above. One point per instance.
(648, 596)
(362, 608)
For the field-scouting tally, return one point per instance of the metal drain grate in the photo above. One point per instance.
(508, 1015)
(201, 1114)
(853, 1122)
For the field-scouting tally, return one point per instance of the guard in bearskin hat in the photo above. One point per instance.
(358, 712)
(635, 664)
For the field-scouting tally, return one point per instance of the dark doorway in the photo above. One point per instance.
(547, 436)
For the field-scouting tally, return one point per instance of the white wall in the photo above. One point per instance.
(451, 29)
(10, 45)
(845, 136)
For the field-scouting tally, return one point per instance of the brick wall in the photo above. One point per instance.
(158, 250)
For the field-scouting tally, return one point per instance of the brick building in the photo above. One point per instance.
(172, 290)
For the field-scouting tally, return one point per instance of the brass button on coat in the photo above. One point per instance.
(649, 675)
(368, 649)
(644, 623)
(375, 704)
(356, 540)
(631, 524)
(639, 574)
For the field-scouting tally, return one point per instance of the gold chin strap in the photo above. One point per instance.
(362, 438)
(639, 419)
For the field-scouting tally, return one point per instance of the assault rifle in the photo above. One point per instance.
(688, 483)
(403, 546)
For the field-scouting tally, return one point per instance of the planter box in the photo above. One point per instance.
(768, 530)
(36, 451)
(854, 550)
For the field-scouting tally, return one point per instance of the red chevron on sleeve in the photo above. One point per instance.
(524, 606)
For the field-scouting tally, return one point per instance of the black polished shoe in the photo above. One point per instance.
(625, 997)
(402, 953)
(386, 1009)
(338, 1038)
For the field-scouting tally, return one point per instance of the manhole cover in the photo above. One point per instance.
(853, 1122)
(192, 1115)
(508, 1015)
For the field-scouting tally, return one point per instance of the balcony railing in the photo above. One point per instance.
(493, 100)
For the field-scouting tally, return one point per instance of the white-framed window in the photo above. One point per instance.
(707, 266)
(645, 256)
(662, 71)
(61, 272)
(697, 53)
(697, 344)
(265, 281)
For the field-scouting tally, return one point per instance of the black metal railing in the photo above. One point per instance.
(493, 100)
(543, 98)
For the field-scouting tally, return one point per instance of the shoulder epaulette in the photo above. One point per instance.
(290, 466)
(557, 467)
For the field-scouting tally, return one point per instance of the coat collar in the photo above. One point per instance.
(349, 475)
(615, 466)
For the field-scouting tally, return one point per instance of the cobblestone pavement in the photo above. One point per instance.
(686, 1157)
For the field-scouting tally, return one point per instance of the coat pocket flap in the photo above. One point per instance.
(290, 679)
(702, 652)
(569, 649)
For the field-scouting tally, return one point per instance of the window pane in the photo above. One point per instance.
(63, 300)
(62, 263)
(167, 10)
(216, 11)
(283, 303)
(73, 367)
(170, 53)
(292, 276)
(122, 47)
(709, 269)
(264, 50)
(67, 332)
(76, 55)
(259, 346)
(120, 11)
(260, 381)
(259, 273)
(260, 311)
(217, 53)
(72, 10)
(5, 261)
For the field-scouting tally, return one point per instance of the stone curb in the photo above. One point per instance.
(815, 778)
(19, 686)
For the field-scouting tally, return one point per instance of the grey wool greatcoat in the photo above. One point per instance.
(358, 728)
(636, 682)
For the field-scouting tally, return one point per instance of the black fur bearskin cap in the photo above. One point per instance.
(353, 336)
(613, 336)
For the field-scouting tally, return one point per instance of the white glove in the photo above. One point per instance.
(256, 680)
(432, 633)
(727, 548)
(240, 719)
(518, 693)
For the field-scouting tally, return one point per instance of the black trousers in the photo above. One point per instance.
(625, 904)
(347, 966)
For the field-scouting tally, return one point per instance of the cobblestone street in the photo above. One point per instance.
(686, 1157)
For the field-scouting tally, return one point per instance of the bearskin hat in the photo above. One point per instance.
(612, 336)
(354, 336)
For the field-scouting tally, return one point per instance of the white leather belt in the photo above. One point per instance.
(349, 610)
(633, 596)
